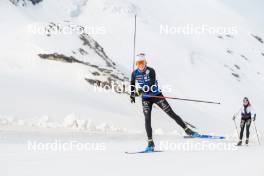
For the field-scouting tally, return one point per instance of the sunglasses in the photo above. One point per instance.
(142, 62)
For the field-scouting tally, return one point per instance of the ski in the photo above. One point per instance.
(242, 145)
(204, 136)
(138, 152)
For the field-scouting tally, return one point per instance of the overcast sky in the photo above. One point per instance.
(251, 9)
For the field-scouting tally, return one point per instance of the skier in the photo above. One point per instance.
(247, 114)
(146, 78)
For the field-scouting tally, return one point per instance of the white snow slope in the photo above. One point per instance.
(45, 100)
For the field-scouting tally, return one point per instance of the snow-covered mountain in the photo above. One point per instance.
(54, 52)
(47, 63)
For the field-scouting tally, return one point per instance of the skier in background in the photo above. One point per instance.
(247, 115)
(146, 78)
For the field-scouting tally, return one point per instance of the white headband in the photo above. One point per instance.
(140, 56)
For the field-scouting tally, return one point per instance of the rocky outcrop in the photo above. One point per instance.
(113, 79)
(103, 70)
(25, 2)
(258, 38)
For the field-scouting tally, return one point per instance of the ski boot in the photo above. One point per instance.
(239, 143)
(246, 142)
(151, 146)
(189, 132)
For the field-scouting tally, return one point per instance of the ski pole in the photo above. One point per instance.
(134, 48)
(256, 131)
(182, 99)
(236, 128)
(187, 123)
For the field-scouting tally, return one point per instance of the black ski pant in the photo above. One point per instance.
(164, 105)
(243, 123)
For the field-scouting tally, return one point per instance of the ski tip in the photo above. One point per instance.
(138, 152)
(203, 136)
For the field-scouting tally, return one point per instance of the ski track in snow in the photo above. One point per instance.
(113, 160)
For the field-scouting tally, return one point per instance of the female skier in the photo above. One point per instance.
(146, 78)
(247, 115)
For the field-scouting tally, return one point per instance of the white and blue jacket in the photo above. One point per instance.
(147, 82)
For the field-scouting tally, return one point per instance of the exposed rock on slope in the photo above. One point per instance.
(104, 71)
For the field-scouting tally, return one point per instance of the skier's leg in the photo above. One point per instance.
(164, 105)
(242, 126)
(147, 107)
(248, 123)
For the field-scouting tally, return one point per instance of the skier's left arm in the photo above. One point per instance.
(253, 113)
(152, 75)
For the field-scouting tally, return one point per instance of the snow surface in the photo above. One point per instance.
(44, 100)
(16, 159)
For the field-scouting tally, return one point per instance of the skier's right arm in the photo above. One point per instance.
(236, 114)
(132, 88)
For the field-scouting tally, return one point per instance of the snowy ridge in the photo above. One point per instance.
(70, 122)
(87, 52)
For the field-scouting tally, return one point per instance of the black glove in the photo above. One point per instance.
(138, 92)
(254, 118)
(132, 99)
